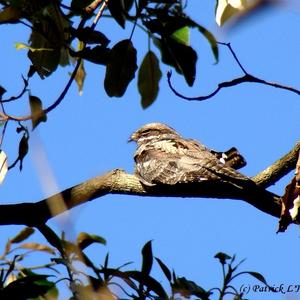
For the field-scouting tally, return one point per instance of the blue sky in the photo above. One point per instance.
(87, 136)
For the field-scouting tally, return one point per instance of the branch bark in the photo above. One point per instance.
(119, 182)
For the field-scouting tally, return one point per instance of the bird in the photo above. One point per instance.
(163, 156)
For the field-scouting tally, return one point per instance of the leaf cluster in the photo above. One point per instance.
(97, 281)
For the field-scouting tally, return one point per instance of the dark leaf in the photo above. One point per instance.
(22, 235)
(27, 287)
(10, 15)
(148, 79)
(51, 237)
(23, 149)
(258, 276)
(120, 69)
(97, 55)
(2, 91)
(211, 39)
(147, 258)
(78, 6)
(37, 113)
(149, 282)
(222, 257)
(128, 4)
(183, 58)
(164, 268)
(85, 239)
(117, 8)
(91, 36)
(189, 288)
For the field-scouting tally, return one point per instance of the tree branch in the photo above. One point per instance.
(119, 182)
(279, 169)
(236, 81)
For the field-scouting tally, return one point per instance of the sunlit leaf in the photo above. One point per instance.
(226, 9)
(80, 77)
(37, 113)
(20, 46)
(22, 235)
(182, 35)
(3, 165)
(37, 247)
(148, 79)
(120, 69)
(85, 239)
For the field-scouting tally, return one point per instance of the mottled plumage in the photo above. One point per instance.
(164, 157)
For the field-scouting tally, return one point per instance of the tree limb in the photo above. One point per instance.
(279, 169)
(119, 182)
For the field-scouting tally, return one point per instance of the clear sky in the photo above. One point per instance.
(87, 136)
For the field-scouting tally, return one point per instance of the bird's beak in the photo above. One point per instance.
(131, 139)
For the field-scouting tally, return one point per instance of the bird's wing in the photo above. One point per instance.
(180, 161)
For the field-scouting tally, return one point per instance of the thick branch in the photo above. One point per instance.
(119, 182)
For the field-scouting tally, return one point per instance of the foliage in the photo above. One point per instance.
(66, 257)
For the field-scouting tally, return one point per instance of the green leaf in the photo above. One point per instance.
(211, 39)
(182, 36)
(165, 269)
(37, 112)
(22, 235)
(147, 258)
(23, 149)
(148, 79)
(120, 69)
(183, 58)
(85, 239)
(117, 8)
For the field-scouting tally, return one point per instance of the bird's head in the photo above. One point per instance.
(152, 131)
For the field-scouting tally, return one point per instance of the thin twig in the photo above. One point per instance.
(99, 14)
(20, 94)
(236, 81)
